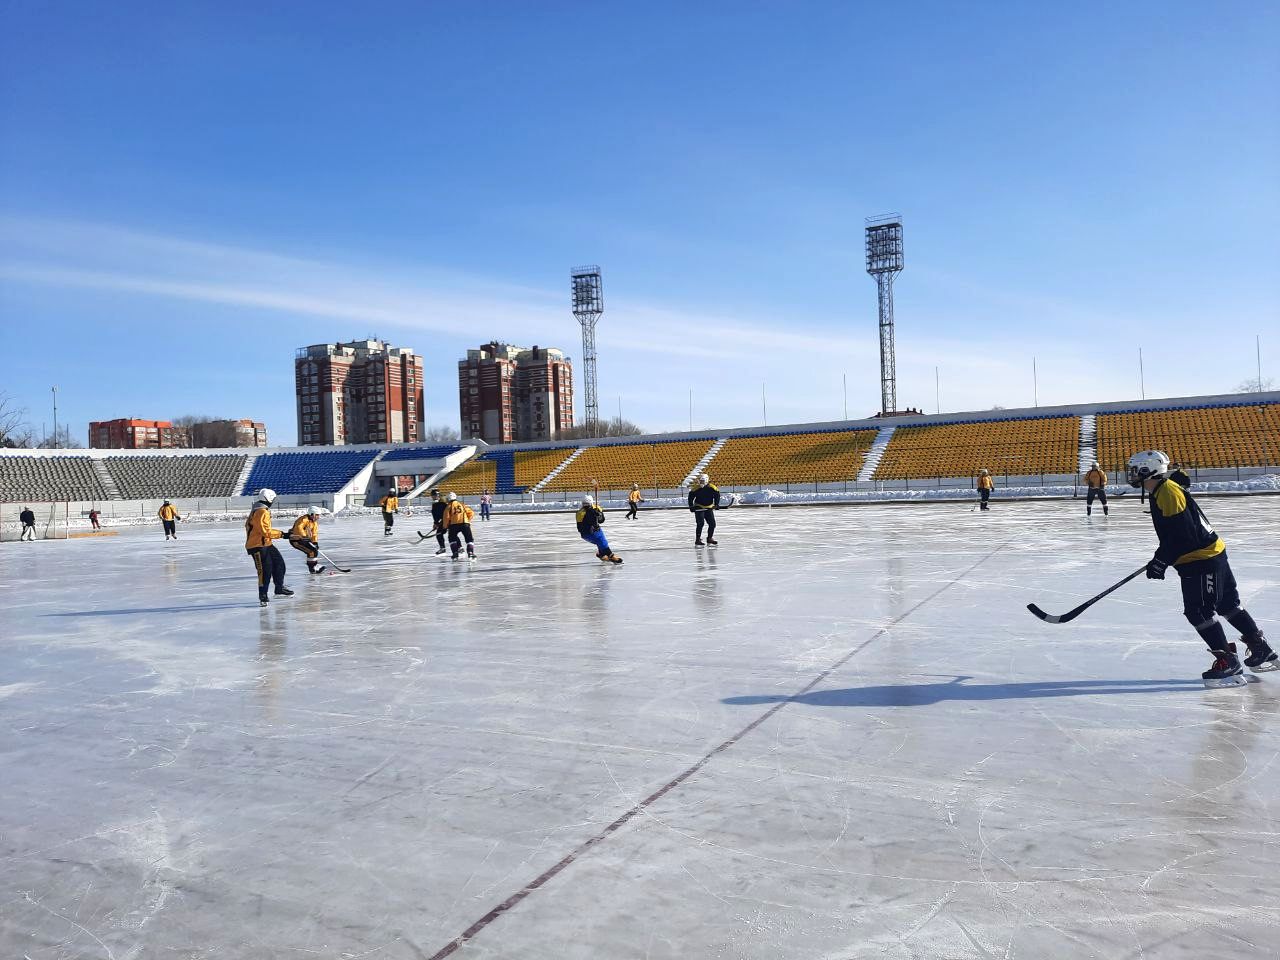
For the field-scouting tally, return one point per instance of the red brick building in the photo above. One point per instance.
(127, 433)
(509, 394)
(359, 392)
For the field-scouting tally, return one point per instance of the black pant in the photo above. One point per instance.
(270, 566)
(309, 547)
(170, 527)
(457, 530)
(94, 521)
(986, 495)
(1208, 588)
(440, 537)
(1096, 493)
(632, 510)
(388, 519)
(709, 518)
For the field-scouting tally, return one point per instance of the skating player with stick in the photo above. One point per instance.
(304, 535)
(437, 515)
(168, 515)
(704, 499)
(1190, 545)
(390, 507)
(588, 518)
(985, 486)
(266, 556)
(457, 522)
(633, 502)
(1096, 481)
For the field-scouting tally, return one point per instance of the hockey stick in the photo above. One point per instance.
(1072, 614)
(332, 564)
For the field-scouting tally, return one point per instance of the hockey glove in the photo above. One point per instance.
(1156, 568)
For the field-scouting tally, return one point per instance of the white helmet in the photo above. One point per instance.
(267, 496)
(451, 497)
(313, 511)
(1095, 465)
(704, 479)
(985, 472)
(1148, 463)
(588, 500)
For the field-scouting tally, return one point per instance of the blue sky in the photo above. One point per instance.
(190, 191)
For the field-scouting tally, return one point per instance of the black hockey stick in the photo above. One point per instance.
(1072, 614)
(332, 564)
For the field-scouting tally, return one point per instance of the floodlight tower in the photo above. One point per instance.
(884, 262)
(588, 304)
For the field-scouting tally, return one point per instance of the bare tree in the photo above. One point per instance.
(62, 440)
(14, 430)
(191, 419)
(440, 434)
(617, 427)
(1255, 385)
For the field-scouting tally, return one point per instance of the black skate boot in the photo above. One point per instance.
(471, 552)
(1226, 670)
(712, 541)
(284, 592)
(263, 601)
(1261, 657)
(440, 551)
(697, 543)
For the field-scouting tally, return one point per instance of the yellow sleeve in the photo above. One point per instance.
(1171, 499)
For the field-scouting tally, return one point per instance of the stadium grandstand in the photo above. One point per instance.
(1217, 438)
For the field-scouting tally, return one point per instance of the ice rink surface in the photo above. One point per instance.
(838, 734)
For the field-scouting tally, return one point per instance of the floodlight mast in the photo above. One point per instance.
(884, 262)
(588, 304)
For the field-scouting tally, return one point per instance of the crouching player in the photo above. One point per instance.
(589, 518)
(456, 521)
(1190, 545)
(304, 535)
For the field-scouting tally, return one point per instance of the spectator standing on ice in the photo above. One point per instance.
(486, 504)
(93, 519)
(28, 519)
(985, 486)
(1194, 549)
(304, 535)
(589, 518)
(704, 499)
(390, 507)
(1096, 481)
(633, 502)
(267, 560)
(1179, 476)
(168, 515)
(457, 522)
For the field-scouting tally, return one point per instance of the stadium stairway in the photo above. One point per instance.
(1088, 442)
(108, 482)
(244, 476)
(701, 466)
(537, 487)
(874, 453)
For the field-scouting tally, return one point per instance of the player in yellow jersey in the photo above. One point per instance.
(1191, 546)
(168, 515)
(633, 502)
(1096, 482)
(304, 535)
(390, 507)
(456, 522)
(259, 535)
(985, 486)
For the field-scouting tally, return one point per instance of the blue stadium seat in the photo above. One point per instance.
(320, 472)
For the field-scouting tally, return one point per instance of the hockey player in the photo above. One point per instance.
(985, 486)
(633, 502)
(1179, 476)
(437, 514)
(304, 535)
(704, 500)
(168, 515)
(28, 518)
(589, 517)
(457, 521)
(390, 507)
(93, 519)
(1189, 543)
(1096, 481)
(266, 556)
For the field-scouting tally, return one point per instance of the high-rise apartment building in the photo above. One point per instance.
(359, 392)
(509, 394)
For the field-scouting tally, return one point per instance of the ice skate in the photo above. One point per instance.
(471, 552)
(1261, 658)
(284, 592)
(440, 551)
(611, 558)
(712, 541)
(263, 601)
(1226, 670)
(697, 543)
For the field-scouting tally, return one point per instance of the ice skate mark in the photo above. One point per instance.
(969, 936)
(642, 807)
(26, 895)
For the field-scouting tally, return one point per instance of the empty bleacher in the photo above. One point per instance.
(472, 478)
(616, 466)
(1241, 435)
(325, 471)
(438, 452)
(1022, 447)
(49, 478)
(532, 465)
(786, 458)
(142, 477)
